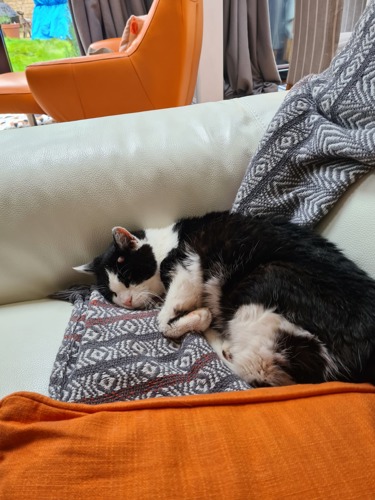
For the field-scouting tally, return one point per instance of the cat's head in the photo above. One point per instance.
(127, 273)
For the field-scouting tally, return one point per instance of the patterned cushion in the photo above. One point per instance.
(131, 32)
(113, 354)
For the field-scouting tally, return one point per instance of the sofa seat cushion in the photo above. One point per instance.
(31, 333)
(288, 442)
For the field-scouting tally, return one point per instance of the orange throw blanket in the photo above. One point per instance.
(303, 442)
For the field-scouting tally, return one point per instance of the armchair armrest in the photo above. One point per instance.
(113, 44)
(80, 87)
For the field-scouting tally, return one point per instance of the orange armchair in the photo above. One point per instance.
(159, 69)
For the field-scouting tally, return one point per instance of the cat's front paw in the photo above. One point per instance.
(198, 321)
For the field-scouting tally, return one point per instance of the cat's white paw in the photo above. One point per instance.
(226, 351)
(198, 321)
(171, 311)
(220, 345)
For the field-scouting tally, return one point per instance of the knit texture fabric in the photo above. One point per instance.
(113, 354)
(321, 140)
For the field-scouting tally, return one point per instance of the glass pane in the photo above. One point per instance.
(281, 19)
(37, 30)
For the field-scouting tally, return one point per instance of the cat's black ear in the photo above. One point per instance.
(86, 268)
(124, 239)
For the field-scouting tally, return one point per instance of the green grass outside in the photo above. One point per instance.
(25, 51)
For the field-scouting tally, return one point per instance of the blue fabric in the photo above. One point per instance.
(51, 19)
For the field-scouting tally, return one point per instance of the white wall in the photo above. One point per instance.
(211, 73)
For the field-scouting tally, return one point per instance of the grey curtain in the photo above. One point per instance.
(249, 62)
(316, 35)
(100, 19)
(351, 13)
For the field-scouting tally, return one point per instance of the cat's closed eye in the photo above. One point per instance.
(114, 294)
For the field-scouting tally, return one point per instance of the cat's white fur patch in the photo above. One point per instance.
(252, 336)
(162, 241)
(136, 296)
(185, 291)
(212, 295)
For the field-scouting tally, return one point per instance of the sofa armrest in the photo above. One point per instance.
(113, 44)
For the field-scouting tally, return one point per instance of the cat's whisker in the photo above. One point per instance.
(100, 288)
(148, 298)
(156, 296)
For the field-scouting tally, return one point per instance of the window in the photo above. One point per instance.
(281, 20)
(37, 30)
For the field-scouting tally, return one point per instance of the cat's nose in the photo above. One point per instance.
(128, 302)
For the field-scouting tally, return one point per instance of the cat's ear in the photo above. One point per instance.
(124, 239)
(86, 268)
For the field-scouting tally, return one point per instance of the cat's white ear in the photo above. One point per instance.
(124, 239)
(85, 268)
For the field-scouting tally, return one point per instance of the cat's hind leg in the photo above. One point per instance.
(266, 349)
(253, 334)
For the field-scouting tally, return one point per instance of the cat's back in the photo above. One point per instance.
(233, 237)
(226, 231)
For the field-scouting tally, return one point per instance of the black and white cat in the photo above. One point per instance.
(279, 303)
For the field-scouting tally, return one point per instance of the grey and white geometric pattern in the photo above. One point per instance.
(321, 140)
(112, 354)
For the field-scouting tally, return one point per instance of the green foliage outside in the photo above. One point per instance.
(24, 51)
(4, 20)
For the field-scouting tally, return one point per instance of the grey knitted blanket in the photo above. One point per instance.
(321, 140)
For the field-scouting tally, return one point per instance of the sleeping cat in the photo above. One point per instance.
(279, 303)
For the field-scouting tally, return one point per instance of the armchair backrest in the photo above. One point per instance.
(159, 69)
(173, 28)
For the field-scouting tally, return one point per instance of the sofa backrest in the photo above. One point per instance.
(351, 223)
(64, 186)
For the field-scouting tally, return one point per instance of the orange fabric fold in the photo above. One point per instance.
(307, 441)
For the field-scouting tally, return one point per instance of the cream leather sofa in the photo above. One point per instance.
(64, 186)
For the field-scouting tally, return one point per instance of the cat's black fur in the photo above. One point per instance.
(281, 266)
(137, 267)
